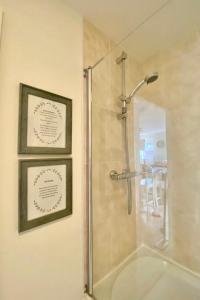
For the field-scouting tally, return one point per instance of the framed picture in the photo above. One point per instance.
(45, 122)
(45, 191)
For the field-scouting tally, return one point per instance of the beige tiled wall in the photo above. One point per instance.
(178, 92)
(114, 230)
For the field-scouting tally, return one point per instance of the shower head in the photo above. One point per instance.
(148, 79)
(151, 78)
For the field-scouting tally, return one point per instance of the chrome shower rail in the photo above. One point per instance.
(123, 117)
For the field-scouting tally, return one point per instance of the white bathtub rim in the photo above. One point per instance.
(158, 254)
(115, 269)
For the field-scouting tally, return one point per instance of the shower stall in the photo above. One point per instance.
(143, 167)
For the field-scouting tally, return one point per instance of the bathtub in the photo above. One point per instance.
(149, 278)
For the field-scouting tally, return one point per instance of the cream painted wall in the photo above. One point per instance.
(42, 47)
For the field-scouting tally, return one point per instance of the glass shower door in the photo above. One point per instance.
(154, 252)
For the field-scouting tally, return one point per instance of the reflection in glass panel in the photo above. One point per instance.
(151, 160)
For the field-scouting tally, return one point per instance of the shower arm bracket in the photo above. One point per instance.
(128, 100)
(122, 98)
(121, 58)
(122, 115)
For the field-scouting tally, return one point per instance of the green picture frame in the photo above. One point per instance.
(45, 122)
(45, 191)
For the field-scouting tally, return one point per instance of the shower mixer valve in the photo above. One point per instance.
(114, 175)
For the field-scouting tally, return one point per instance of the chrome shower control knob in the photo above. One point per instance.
(113, 175)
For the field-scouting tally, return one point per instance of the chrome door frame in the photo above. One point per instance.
(89, 202)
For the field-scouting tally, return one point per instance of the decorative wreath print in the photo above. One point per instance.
(51, 115)
(47, 190)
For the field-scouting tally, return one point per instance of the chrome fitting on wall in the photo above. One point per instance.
(114, 175)
(122, 57)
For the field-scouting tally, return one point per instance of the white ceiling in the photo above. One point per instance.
(177, 22)
(155, 24)
(116, 18)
